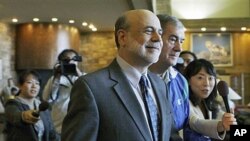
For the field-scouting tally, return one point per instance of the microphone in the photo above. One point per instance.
(42, 107)
(223, 91)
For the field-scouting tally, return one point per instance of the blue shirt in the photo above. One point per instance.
(178, 96)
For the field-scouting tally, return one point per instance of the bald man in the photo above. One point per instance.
(107, 105)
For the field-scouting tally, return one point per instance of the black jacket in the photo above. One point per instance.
(16, 129)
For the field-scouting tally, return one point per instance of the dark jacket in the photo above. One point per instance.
(16, 129)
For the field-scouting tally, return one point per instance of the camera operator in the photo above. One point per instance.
(57, 90)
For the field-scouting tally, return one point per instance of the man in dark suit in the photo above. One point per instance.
(107, 105)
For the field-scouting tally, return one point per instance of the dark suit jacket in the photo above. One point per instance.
(17, 130)
(103, 107)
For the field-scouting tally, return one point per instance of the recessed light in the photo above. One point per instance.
(14, 20)
(84, 24)
(203, 29)
(91, 26)
(94, 29)
(54, 19)
(71, 21)
(243, 28)
(223, 28)
(35, 19)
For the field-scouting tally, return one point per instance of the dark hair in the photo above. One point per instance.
(65, 51)
(194, 68)
(166, 20)
(189, 52)
(23, 75)
(121, 23)
(180, 66)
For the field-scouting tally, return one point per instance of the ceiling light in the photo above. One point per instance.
(243, 28)
(203, 29)
(94, 29)
(223, 28)
(14, 20)
(91, 26)
(71, 21)
(35, 19)
(54, 19)
(84, 24)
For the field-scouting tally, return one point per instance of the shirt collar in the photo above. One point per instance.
(33, 105)
(132, 74)
(169, 74)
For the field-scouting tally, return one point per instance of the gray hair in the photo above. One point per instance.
(167, 19)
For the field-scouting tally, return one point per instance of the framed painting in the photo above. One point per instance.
(215, 47)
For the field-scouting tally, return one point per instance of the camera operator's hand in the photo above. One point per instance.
(28, 117)
(57, 70)
(78, 71)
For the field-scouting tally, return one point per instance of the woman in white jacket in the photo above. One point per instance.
(203, 124)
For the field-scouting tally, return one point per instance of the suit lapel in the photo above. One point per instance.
(128, 98)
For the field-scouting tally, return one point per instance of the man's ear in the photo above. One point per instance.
(122, 37)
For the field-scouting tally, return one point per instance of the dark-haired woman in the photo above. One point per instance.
(203, 125)
(21, 123)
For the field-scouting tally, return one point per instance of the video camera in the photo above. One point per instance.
(65, 68)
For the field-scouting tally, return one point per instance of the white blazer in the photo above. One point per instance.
(207, 127)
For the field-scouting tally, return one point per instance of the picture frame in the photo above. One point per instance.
(215, 47)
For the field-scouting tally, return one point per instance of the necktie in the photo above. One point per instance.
(151, 108)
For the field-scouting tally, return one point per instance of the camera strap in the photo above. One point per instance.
(69, 80)
(53, 99)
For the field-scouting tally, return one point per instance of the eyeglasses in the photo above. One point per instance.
(174, 39)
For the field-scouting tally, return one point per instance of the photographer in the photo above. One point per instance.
(57, 90)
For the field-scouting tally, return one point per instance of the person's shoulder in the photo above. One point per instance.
(94, 77)
(155, 77)
(95, 73)
(176, 75)
(113, 67)
(151, 74)
(13, 101)
(181, 77)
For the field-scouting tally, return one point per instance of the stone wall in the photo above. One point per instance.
(98, 50)
(7, 54)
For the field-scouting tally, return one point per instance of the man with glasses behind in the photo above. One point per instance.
(173, 37)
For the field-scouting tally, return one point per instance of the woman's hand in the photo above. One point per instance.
(28, 117)
(227, 120)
